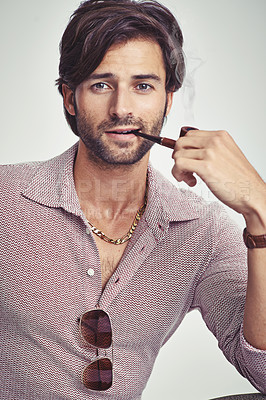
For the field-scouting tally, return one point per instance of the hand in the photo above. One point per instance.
(218, 161)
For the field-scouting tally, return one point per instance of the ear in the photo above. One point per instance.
(68, 96)
(169, 96)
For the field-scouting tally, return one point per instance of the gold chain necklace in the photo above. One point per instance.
(128, 235)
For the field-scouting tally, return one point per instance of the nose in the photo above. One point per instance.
(121, 104)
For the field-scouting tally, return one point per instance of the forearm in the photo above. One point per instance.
(255, 307)
(217, 160)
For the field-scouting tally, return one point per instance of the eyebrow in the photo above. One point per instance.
(135, 77)
(147, 76)
(101, 76)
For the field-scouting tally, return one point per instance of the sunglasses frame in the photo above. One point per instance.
(97, 350)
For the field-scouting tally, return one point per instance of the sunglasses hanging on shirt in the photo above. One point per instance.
(95, 328)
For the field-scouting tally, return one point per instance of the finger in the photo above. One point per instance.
(191, 153)
(205, 139)
(184, 130)
(184, 176)
(190, 179)
(204, 133)
(202, 168)
(192, 142)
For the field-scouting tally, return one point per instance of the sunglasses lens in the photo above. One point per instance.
(98, 375)
(96, 329)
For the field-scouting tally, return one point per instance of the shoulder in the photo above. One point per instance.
(15, 176)
(178, 203)
(185, 209)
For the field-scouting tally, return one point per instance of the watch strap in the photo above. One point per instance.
(252, 241)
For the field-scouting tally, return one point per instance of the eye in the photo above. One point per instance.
(144, 87)
(100, 86)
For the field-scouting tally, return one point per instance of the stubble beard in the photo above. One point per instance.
(100, 152)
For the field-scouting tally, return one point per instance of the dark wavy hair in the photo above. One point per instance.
(98, 24)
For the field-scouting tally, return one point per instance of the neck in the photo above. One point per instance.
(105, 193)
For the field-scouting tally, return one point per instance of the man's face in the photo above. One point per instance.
(126, 91)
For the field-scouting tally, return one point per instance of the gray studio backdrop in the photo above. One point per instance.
(224, 89)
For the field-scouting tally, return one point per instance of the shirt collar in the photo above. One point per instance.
(167, 203)
(53, 183)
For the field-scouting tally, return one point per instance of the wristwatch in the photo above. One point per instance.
(253, 242)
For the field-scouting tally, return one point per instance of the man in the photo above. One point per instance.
(102, 257)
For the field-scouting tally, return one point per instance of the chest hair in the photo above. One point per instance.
(110, 256)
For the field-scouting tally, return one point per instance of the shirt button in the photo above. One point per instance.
(88, 231)
(90, 272)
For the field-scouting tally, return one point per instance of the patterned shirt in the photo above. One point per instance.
(185, 254)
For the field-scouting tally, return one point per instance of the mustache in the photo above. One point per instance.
(125, 121)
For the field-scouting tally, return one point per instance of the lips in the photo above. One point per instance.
(124, 131)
